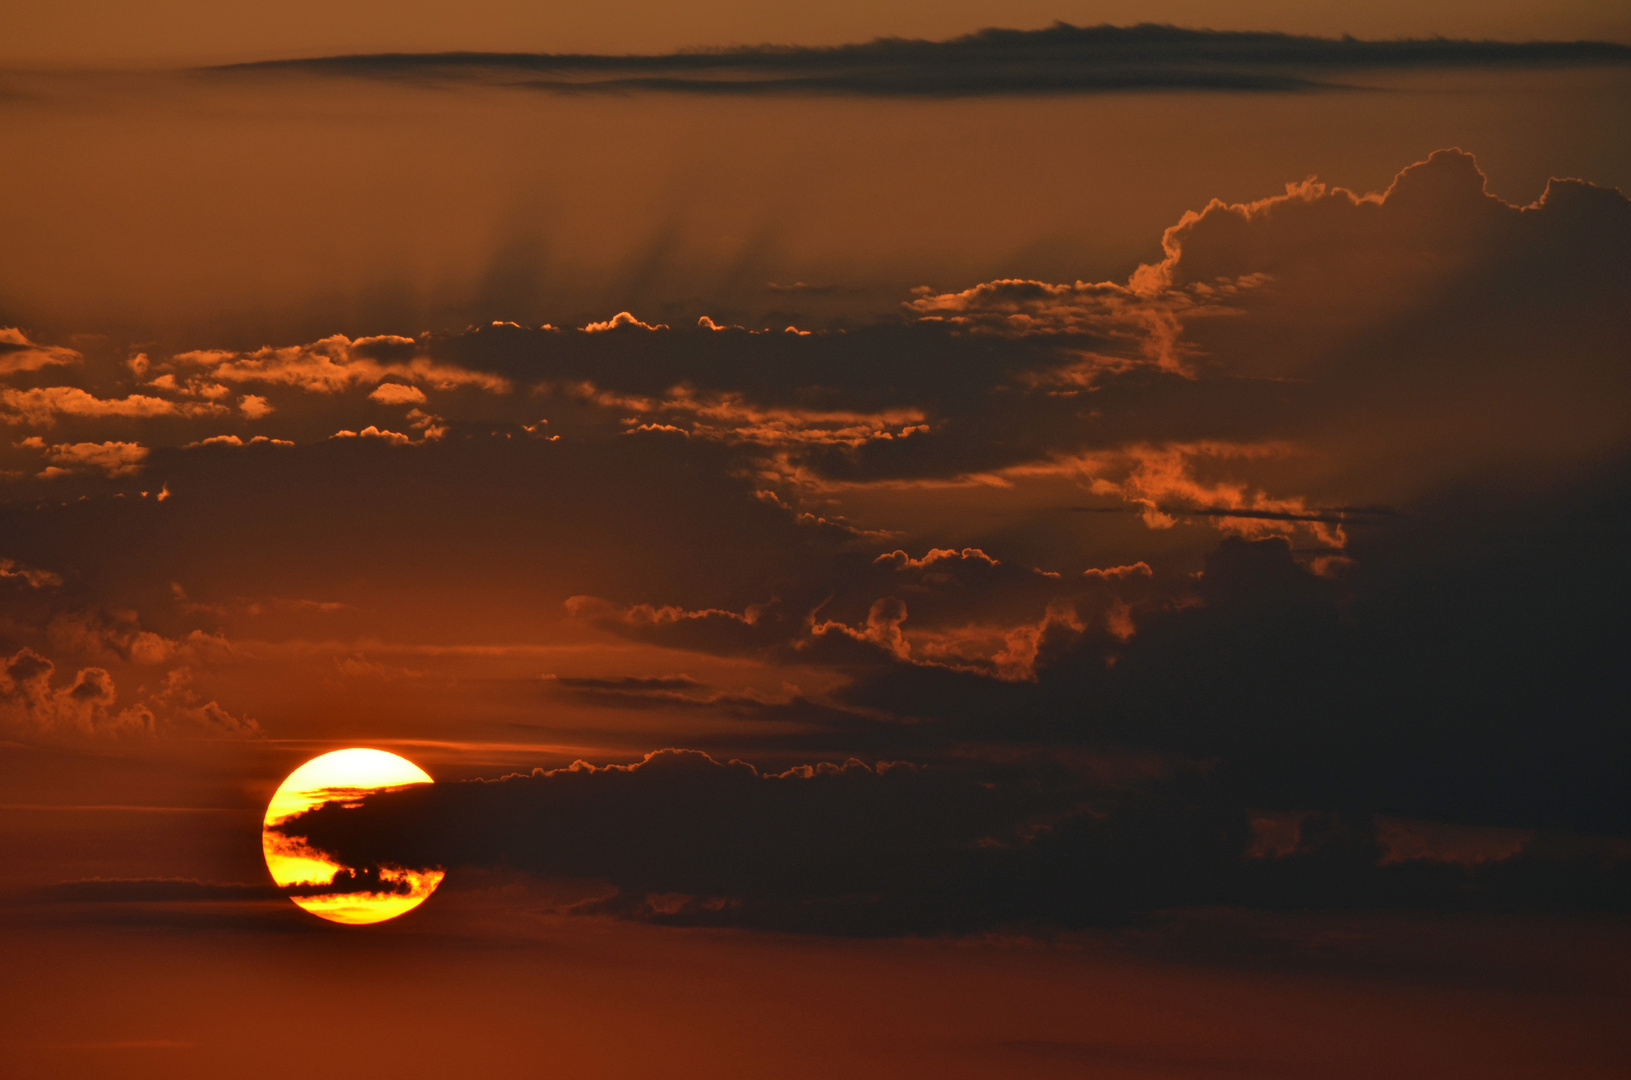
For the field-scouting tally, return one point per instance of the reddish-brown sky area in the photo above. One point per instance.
(192, 31)
(1087, 553)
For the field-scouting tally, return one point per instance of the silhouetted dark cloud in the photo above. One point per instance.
(851, 849)
(1062, 59)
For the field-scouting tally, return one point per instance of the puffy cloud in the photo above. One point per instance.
(682, 838)
(116, 636)
(17, 353)
(237, 440)
(108, 638)
(900, 560)
(32, 708)
(112, 458)
(620, 320)
(372, 432)
(1144, 327)
(34, 577)
(758, 627)
(42, 406)
(177, 710)
(338, 363)
(395, 393)
(30, 705)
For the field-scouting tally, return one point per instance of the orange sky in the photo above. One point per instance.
(191, 31)
(922, 578)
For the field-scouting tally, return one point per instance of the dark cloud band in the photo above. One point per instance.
(1062, 59)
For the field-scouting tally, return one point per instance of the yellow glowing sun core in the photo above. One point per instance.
(341, 775)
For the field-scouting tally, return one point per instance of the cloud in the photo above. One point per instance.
(1164, 483)
(33, 577)
(42, 406)
(682, 838)
(112, 458)
(17, 353)
(731, 417)
(758, 627)
(237, 440)
(1061, 59)
(1326, 507)
(29, 704)
(620, 320)
(334, 364)
(32, 708)
(393, 393)
(396, 438)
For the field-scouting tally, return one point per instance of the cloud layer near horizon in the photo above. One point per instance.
(1061, 59)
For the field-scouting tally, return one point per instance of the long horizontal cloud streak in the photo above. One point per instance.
(1059, 60)
(854, 849)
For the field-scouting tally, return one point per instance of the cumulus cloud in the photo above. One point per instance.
(337, 363)
(620, 320)
(36, 705)
(111, 636)
(112, 458)
(396, 438)
(238, 440)
(395, 393)
(18, 353)
(31, 705)
(43, 406)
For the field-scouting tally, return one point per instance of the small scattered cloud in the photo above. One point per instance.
(372, 432)
(238, 440)
(34, 578)
(111, 458)
(43, 406)
(18, 353)
(621, 320)
(394, 393)
(337, 363)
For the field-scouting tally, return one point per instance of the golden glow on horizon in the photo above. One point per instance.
(342, 775)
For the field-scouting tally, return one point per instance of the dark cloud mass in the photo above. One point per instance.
(1062, 59)
(683, 838)
(1183, 589)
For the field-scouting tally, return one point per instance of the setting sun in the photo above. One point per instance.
(342, 776)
